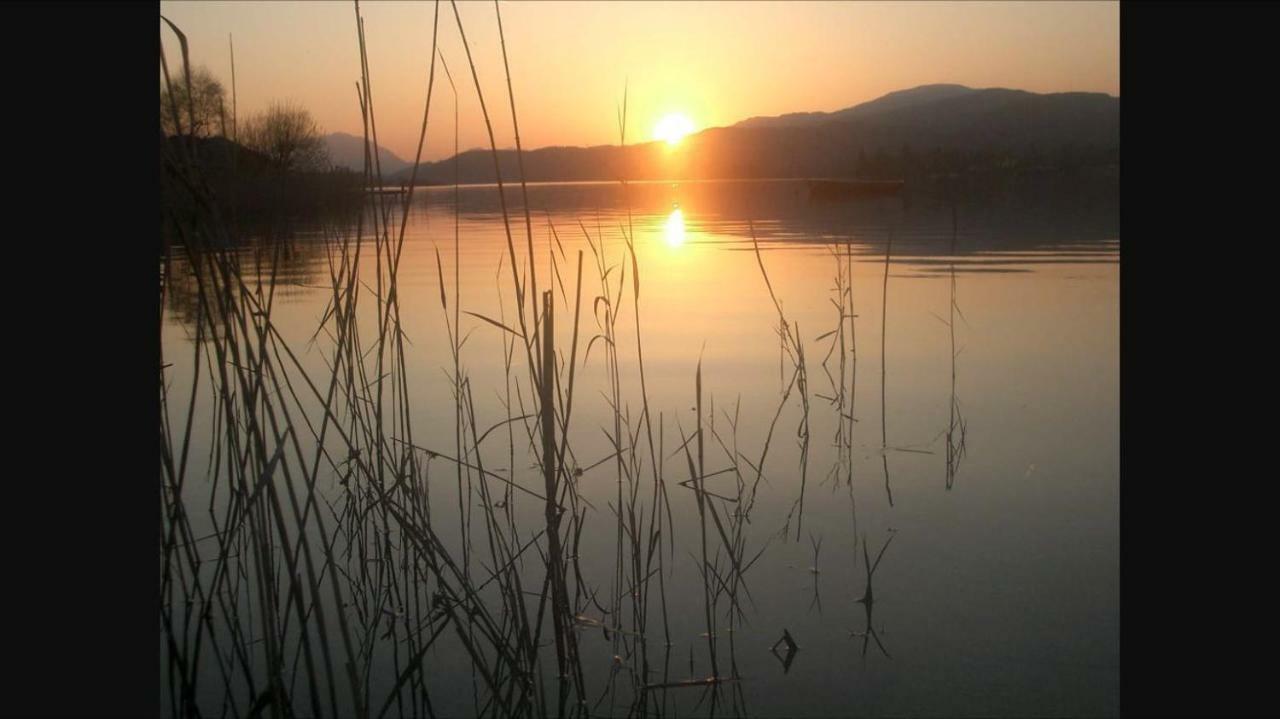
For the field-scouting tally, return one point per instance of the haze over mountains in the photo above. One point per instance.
(927, 130)
(347, 151)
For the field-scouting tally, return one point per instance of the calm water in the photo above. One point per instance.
(999, 594)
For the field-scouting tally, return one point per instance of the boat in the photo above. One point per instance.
(387, 190)
(836, 190)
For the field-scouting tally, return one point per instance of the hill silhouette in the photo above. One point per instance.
(923, 132)
(898, 100)
(199, 173)
(346, 151)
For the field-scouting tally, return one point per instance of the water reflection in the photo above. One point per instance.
(283, 265)
(868, 598)
(884, 363)
(673, 228)
(956, 428)
(1013, 225)
(707, 293)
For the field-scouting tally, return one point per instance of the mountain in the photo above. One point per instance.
(923, 132)
(347, 151)
(901, 99)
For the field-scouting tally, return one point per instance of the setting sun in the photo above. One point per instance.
(672, 128)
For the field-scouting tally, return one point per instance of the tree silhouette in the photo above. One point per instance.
(288, 136)
(201, 113)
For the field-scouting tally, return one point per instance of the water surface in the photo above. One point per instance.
(999, 593)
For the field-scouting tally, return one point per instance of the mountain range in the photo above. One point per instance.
(922, 131)
(347, 151)
(902, 99)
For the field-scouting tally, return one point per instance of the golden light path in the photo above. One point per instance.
(672, 128)
(673, 228)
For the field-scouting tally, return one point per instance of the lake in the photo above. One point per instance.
(941, 403)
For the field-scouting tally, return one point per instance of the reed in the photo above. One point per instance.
(955, 435)
(868, 596)
(318, 566)
(884, 364)
(793, 347)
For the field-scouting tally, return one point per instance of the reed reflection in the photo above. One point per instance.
(868, 597)
(884, 316)
(956, 426)
(276, 263)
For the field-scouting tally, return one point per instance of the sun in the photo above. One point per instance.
(672, 128)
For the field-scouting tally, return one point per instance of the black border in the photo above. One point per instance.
(1197, 504)
(80, 594)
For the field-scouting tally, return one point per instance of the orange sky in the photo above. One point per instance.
(716, 62)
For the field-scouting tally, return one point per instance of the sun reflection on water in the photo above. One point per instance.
(673, 228)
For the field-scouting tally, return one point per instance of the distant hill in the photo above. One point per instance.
(922, 132)
(215, 157)
(901, 99)
(347, 151)
(243, 185)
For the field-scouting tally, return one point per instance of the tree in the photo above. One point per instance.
(202, 113)
(288, 136)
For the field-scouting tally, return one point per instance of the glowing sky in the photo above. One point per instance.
(715, 62)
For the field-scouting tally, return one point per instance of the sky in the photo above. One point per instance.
(716, 63)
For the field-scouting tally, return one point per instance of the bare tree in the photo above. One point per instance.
(206, 113)
(287, 134)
